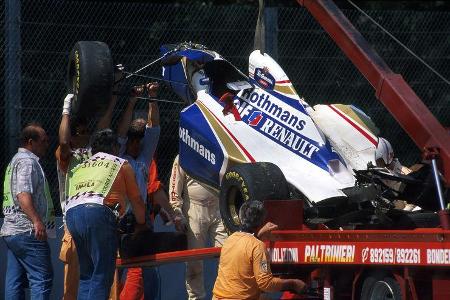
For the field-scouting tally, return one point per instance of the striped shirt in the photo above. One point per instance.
(27, 177)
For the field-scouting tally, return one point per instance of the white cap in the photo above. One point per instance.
(384, 151)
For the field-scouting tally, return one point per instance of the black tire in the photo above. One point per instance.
(418, 220)
(378, 287)
(90, 77)
(246, 182)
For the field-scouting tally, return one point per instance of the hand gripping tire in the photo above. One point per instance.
(90, 77)
(380, 287)
(245, 182)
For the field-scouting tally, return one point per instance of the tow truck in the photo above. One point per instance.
(358, 264)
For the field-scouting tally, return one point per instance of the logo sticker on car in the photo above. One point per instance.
(255, 118)
(264, 78)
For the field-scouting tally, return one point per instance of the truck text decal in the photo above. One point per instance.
(438, 256)
(390, 255)
(278, 255)
(329, 253)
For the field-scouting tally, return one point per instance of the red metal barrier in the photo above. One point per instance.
(168, 257)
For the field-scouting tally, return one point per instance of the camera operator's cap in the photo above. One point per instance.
(384, 151)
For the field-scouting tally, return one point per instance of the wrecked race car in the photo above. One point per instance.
(254, 138)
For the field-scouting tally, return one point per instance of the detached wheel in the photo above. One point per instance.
(246, 182)
(377, 287)
(90, 77)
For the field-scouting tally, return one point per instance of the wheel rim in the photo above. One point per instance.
(234, 202)
(382, 290)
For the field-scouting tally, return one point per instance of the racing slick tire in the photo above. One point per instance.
(246, 182)
(90, 77)
(379, 287)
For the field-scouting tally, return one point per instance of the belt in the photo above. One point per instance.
(113, 208)
(91, 205)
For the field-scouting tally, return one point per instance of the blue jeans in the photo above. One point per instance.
(94, 230)
(29, 259)
(152, 282)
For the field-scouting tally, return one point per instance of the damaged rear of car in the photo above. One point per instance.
(254, 137)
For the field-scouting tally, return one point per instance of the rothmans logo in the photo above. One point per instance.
(271, 106)
(196, 146)
(275, 120)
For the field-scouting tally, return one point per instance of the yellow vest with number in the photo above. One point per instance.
(91, 180)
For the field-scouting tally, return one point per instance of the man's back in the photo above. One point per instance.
(244, 269)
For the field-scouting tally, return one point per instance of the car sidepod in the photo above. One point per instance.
(265, 121)
(200, 152)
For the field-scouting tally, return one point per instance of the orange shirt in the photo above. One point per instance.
(124, 186)
(244, 269)
(153, 182)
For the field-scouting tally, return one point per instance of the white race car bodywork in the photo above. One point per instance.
(264, 120)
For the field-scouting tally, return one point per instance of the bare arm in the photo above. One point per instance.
(64, 137)
(105, 121)
(137, 204)
(152, 129)
(132, 193)
(265, 231)
(160, 198)
(26, 204)
(153, 109)
(126, 118)
(64, 128)
(295, 285)
(153, 114)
